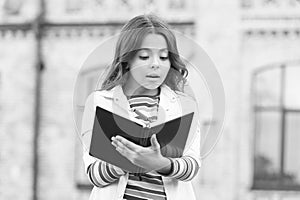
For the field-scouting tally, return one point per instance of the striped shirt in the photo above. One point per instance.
(147, 185)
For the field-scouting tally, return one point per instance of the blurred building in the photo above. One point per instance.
(255, 45)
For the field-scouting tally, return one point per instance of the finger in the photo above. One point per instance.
(114, 144)
(132, 146)
(154, 142)
(122, 149)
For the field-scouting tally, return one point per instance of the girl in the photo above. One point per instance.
(145, 83)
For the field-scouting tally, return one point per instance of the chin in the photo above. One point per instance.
(152, 86)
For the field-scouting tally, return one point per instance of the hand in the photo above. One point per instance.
(149, 158)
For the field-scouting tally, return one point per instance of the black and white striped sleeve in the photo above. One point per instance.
(101, 173)
(184, 168)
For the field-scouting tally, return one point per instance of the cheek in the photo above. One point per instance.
(166, 68)
(137, 73)
(138, 66)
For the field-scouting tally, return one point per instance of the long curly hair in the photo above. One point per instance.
(130, 40)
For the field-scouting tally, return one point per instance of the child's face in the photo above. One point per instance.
(150, 65)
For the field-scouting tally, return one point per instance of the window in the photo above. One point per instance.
(276, 105)
(86, 83)
(12, 7)
(73, 5)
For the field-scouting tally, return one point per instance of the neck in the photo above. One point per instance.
(139, 91)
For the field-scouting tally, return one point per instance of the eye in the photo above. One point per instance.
(164, 55)
(164, 58)
(143, 57)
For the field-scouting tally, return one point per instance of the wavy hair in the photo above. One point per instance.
(129, 42)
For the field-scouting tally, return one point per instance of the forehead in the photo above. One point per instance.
(154, 41)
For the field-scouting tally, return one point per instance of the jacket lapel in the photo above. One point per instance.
(167, 105)
(116, 95)
(167, 108)
(121, 105)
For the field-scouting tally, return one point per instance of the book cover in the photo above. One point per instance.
(171, 135)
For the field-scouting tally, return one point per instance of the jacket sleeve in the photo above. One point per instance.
(99, 173)
(186, 167)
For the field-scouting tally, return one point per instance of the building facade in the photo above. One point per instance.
(255, 45)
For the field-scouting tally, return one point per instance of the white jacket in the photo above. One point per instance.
(171, 105)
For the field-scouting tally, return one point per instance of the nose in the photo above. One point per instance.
(155, 63)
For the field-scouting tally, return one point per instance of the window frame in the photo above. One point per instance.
(283, 112)
(89, 78)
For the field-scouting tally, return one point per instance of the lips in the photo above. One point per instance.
(153, 76)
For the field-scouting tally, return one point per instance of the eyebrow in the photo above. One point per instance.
(149, 49)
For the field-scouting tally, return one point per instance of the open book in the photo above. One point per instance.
(171, 135)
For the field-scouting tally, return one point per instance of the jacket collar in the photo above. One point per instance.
(167, 97)
(117, 93)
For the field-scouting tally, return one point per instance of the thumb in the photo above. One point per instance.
(154, 142)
